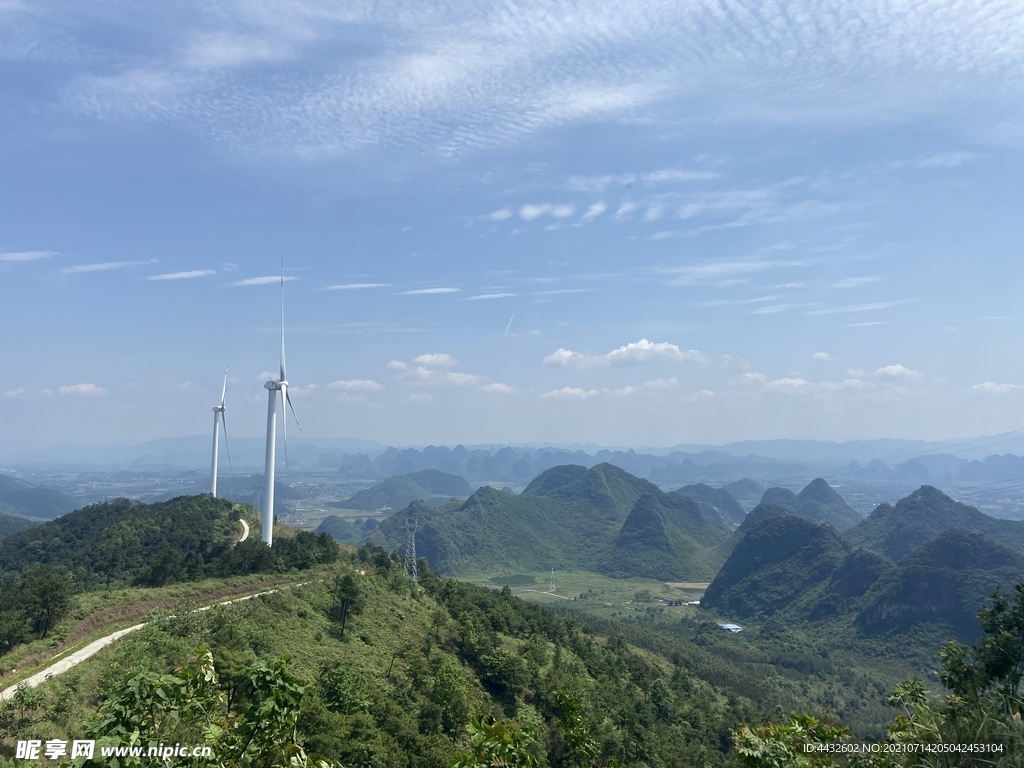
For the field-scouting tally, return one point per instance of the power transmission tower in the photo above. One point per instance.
(410, 548)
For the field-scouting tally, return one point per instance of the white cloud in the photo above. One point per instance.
(851, 308)
(855, 282)
(265, 280)
(625, 391)
(947, 160)
(661, 384)
(597, 184)
(562, 211)
(530, 212)
(824, 356)
(355, 385)
(897, 370)
(107, 265)
(642, 351)
(500, 215)
(485, 296)
(438, 360)
(397, 365)
(21, 256)
(691, 274)
(88, 390)
(672, 174)
(267, 376)
(428, 291)
(356, 286)
(420, 397)
(15, 392)
(497, 388)
(704, 393)
(570, 393)
(995, 389)
(594, 210)
(183, 275)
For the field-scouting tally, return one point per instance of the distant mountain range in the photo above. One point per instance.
(602, 519)
(430, 485)
(19, 498)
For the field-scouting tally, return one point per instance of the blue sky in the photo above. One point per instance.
(622, 223)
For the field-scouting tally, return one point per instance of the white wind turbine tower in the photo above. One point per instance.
(218, 422)
(273, 387)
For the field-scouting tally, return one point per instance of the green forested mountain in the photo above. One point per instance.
(394, 493)
(778, 561)
(719, 498)
(441, 483)
(154, 544)
(896, 531)
(23, 499)
(818, 501)
(944, 581)
(761, 512)
(602, 519)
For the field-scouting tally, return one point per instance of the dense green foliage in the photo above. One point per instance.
(23, 499)
(761, 512)
(976, 723)
(777, 562)
(397, 689)
(895, 531)
(184, 539)
(32, 605)
(568, 517)
(818, 501)
(943, 581)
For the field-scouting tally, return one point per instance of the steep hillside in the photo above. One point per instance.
(441, 483)
(923, 515)
(761, 512)
(394, 493)
(818, 501)
(779, 560)
(23, 499)
(568, 517)
(943, 581)
(719, 498)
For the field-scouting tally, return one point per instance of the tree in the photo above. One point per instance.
(785, 745)
(189, 707)
(498, 743)
(348, 601)
(44, 594)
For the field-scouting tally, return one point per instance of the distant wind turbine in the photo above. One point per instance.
(219, 421)
(273, 387)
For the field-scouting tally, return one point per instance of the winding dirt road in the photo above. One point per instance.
(76, 658)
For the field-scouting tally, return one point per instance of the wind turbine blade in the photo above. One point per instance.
(224, 424)
(224, 392)
(284, 420)
(288, 399)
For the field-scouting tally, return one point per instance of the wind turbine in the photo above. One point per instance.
(218, 422)
(273, 387)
